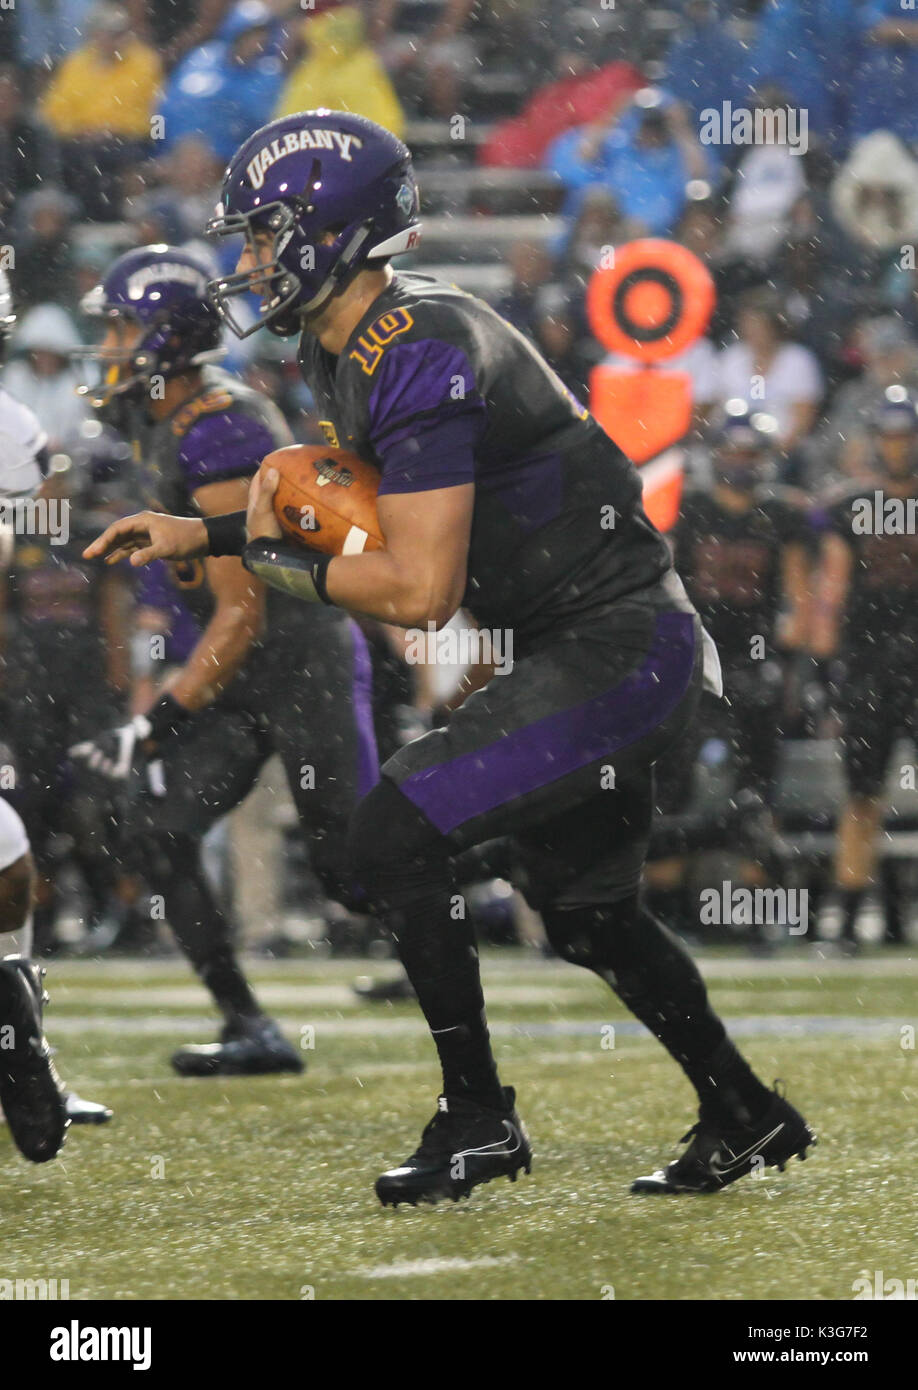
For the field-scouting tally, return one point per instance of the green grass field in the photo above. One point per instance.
(263, 1188)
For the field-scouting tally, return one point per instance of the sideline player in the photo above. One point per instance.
(266, 675)
(867, 612)
(495, 484)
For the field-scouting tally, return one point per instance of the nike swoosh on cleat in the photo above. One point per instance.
(739, 1159)
(512, 1133)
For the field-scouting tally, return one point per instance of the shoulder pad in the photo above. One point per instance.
(209, 403)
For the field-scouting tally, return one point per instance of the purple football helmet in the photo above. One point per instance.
(165, 291)
(336, 192)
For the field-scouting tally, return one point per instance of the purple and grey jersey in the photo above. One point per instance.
(436, 390)
(222, 431)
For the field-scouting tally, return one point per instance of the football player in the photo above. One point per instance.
(266, 675)
(500, 493)
(37, 1106)
(742, 550)
(866, 608)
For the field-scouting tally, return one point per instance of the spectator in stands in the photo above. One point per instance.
(885, 72)
(874, 195)
(227, 88)
(41, 374)
(555, 333)
(44, 254)
(704, 65)
(99, 103)
(52, 29)
(577, 94)
(434, 62)
(28, 153)
(176, 29)
(770, 179)
(190, 188)
(593, 235)
(702, 231)
(889, 353)
(776, 376)
(340, 69)
(807, 46)
(645, 154)
(531, 268)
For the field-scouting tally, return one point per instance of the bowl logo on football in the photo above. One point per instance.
(330, 472)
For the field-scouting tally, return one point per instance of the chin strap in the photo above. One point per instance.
(290, 567)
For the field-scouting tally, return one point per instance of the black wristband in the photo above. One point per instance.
(226, 534)
(319, 572)
(165, 717)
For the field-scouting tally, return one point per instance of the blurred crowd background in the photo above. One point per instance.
(544, 135)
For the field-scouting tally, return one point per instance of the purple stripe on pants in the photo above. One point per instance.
(362, 694)
(521, 762)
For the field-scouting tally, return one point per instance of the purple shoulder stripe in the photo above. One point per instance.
(426, 417)
(225, 445)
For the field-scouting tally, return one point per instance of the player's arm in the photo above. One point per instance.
(832, 585)
(113, 620)
(795, 583)
(418, 579)
(238, 614)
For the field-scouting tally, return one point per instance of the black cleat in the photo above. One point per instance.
(251, 1047)
(30, 1088)
(463, 1145)
(383, 991)
(719, 1154)
(85, 1112)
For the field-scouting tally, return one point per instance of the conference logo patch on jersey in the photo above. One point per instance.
(372, 344)
(339, 142)
(207, 404)
(331, 434)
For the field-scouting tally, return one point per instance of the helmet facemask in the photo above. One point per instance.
(328, 261)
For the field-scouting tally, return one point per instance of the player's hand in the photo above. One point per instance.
(115, 753)
(149, 536)
(260, 519)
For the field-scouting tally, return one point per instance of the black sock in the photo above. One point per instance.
(653, 974)
(894, 926)
(851, 899)
(440, 958)
(198, 925)
(405, 866)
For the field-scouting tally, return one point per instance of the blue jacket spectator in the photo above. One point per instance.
(49, 31)
(886, 73)
(806, 47)
(704, 67)
(227, 88)
(645, 159)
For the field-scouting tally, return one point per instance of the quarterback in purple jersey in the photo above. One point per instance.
(500, 494)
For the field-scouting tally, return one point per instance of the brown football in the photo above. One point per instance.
(326, 498)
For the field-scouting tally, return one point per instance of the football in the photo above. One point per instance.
(326, 498)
